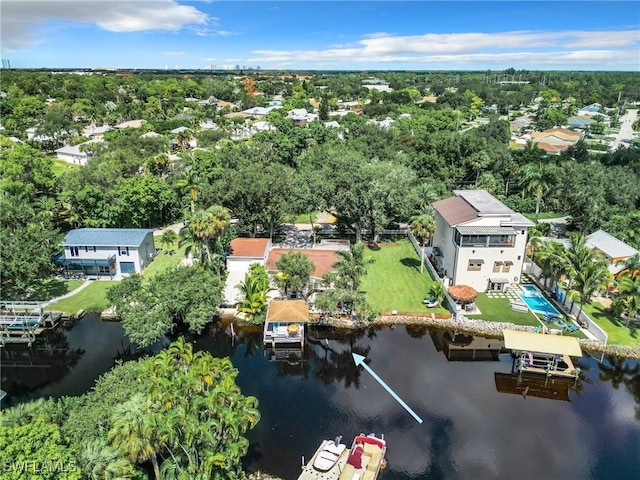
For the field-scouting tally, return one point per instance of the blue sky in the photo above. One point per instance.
(348, 35)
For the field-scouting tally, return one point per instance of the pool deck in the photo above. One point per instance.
(512, 294)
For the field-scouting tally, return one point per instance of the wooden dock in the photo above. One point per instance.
(21, 322)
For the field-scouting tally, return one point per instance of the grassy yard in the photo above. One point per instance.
(498, 310)
(544, 215)
(43, 290)
(619, 333)
(91, 299)
(394, 281)
(60, 166)
(303, 218)
(163, 262)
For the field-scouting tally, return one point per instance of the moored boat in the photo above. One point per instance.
(333, 461)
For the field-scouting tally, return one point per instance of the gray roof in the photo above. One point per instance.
(610, 245)
(106, 237)
(483, 202)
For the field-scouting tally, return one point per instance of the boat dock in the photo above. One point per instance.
(21, 322)
(543, 354)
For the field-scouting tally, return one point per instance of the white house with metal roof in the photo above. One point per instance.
(613, 250)
(108, 251)
(479, 241)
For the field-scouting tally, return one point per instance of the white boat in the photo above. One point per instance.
(334, 461)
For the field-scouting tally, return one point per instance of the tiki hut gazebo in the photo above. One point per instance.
(463, 293)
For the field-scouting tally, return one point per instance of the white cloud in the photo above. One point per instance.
(22, 19)
(563, 48)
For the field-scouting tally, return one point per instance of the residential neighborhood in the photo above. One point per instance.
(271, 228)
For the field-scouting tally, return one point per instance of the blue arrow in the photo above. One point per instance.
(359, 359)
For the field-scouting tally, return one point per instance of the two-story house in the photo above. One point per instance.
(108, 251)
(479, 241)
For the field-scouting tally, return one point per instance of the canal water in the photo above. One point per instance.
(478, 421)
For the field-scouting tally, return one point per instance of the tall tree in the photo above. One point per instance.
(208, 226)
(294, 272)
(423, 227)
(536, 181)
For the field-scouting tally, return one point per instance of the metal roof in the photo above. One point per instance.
(535, 342)
(484, 230)
(610, 245)
(484, 202)
(106, 237)
(455, 210)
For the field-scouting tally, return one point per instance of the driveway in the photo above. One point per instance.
(626, 128)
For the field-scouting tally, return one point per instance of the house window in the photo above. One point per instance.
(73, 251)
(506, 267)
(86, 249)
(102, 269)
(94, 248)
(123, 251)
(496, 266)
(475, 265)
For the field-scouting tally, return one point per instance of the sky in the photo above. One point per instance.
(321, 35)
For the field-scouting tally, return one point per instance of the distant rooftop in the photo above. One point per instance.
(610, 245)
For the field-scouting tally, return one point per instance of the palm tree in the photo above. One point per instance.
(437, 290)
(552, 259)
(133, 431)
(351, 267)
(189, 181)
(423, 227)
(207, 227)
(627, 299)
(588, 280)
(99, 461)
(536, 180)
(254, 295)
(168, 240)
(631, 264)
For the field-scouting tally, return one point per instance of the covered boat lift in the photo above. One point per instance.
(543, 354)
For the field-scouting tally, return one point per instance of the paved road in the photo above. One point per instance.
(626, 128)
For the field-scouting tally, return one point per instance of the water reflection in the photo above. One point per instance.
(461, 347)
(474, 426)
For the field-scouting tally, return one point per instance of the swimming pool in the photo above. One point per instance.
(536, 301)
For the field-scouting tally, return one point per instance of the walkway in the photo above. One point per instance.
(67, 295)
(626, 129)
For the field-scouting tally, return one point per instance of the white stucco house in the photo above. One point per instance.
(75, 154)
(479, 241)
(108, 251)
(614, 251)
(242, 253)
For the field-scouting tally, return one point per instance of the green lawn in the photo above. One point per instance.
(619, 333)
(163, 262)
(394, 281)
(60, 166)
(91, 299)
(544, 215)
(498, 310)
(43, 290)
(303, 218)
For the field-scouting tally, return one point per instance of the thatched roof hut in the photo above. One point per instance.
(463, 293)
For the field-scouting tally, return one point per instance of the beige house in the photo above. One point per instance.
(556, 140)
